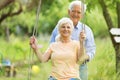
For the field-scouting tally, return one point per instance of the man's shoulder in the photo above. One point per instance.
(80, 25)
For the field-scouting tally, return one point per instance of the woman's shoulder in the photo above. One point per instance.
(75, 41)
(54, 43)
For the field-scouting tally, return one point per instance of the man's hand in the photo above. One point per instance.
(82, 36)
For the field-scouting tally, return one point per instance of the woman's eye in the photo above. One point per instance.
(68, 27)
(63, 26)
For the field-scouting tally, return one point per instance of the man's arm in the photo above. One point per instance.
(90, 44)
(53, 35)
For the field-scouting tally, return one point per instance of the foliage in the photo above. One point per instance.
(102, 67)
(6, 13)
(50, 13)
(111, 6)
(98, 25)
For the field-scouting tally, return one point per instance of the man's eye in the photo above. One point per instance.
(73, 11)
(79, 12)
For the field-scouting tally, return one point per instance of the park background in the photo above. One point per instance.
(16, 29)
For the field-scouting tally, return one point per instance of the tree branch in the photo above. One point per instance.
(10, 14)
(106, 14)
(4, 3)
(17, 12)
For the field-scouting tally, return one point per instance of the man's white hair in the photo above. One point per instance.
(77, 2)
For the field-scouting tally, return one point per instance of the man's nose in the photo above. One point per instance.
(75, 13)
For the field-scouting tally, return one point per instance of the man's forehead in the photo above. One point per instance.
(78, 8)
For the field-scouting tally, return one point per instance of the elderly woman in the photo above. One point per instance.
(65, 53)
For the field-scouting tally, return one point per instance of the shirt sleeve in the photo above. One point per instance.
(90, 44)
(53, 35)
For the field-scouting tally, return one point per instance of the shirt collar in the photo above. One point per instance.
(77, 26)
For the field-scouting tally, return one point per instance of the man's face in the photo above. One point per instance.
(75, 14)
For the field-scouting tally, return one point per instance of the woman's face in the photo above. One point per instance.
(65, 30)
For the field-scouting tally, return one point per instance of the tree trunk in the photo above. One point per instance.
(118, 45)
(118, 12)
(110, 25)
(118, 61)
(107, 19)
(7, 33)
(10, 14)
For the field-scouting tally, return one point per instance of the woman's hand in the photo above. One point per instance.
(33, 43)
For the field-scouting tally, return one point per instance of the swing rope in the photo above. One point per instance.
(31, 54)
(83, 14)
(37, 19)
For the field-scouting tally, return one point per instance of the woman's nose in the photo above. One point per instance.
(66, 29)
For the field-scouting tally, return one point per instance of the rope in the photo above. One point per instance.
(37, 19)
(83, 14)
(30, 66)
(31, 54)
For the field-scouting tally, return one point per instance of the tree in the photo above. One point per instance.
(10, 12)
(7, 9)
(110, 25)
(24, 9)
(107, 6)
(4, 3)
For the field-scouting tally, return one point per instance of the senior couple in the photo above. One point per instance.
(72, 45)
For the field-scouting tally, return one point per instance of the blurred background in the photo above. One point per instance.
(17, 21)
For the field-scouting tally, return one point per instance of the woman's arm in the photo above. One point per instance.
(42, 57)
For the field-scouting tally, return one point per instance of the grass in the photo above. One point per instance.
(102, 67)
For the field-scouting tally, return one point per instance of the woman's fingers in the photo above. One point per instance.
(32, 40)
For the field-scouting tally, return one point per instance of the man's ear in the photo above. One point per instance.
(68, 11)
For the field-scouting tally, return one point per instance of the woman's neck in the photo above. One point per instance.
(65, 40)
